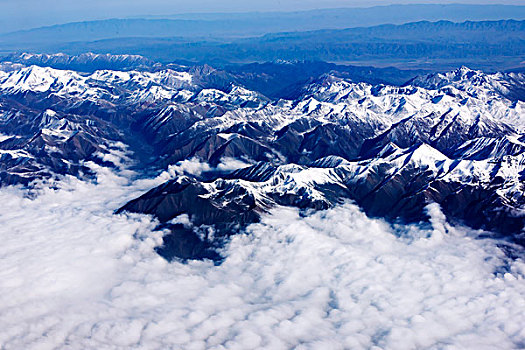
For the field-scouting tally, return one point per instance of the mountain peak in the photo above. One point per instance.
(474, 83)
(436, 81)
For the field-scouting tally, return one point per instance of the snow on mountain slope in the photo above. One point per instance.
(39, 79)
(469, 99)
(485, 194)
(474, 82)
(351, 120)
(454, 138)
(485, 147)
(431, 114)
(109, 85)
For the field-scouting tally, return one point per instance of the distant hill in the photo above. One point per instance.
(490, 45)
(255, 24)
(435, 37)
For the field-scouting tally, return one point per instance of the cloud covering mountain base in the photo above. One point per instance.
(74, 275)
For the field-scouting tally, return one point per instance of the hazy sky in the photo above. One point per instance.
(20, 14)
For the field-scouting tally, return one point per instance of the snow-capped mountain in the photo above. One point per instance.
(475, 83)
(457, 139)
(101, 85)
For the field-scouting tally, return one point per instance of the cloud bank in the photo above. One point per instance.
(75, 276)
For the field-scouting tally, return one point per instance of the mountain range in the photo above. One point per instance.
(233, 151)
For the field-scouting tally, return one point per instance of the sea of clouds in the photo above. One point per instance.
(75, 276)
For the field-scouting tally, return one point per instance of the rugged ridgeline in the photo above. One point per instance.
(456, 139)
(277, 79)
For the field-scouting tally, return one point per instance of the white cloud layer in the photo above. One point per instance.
(75, 276)
(194, 166)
